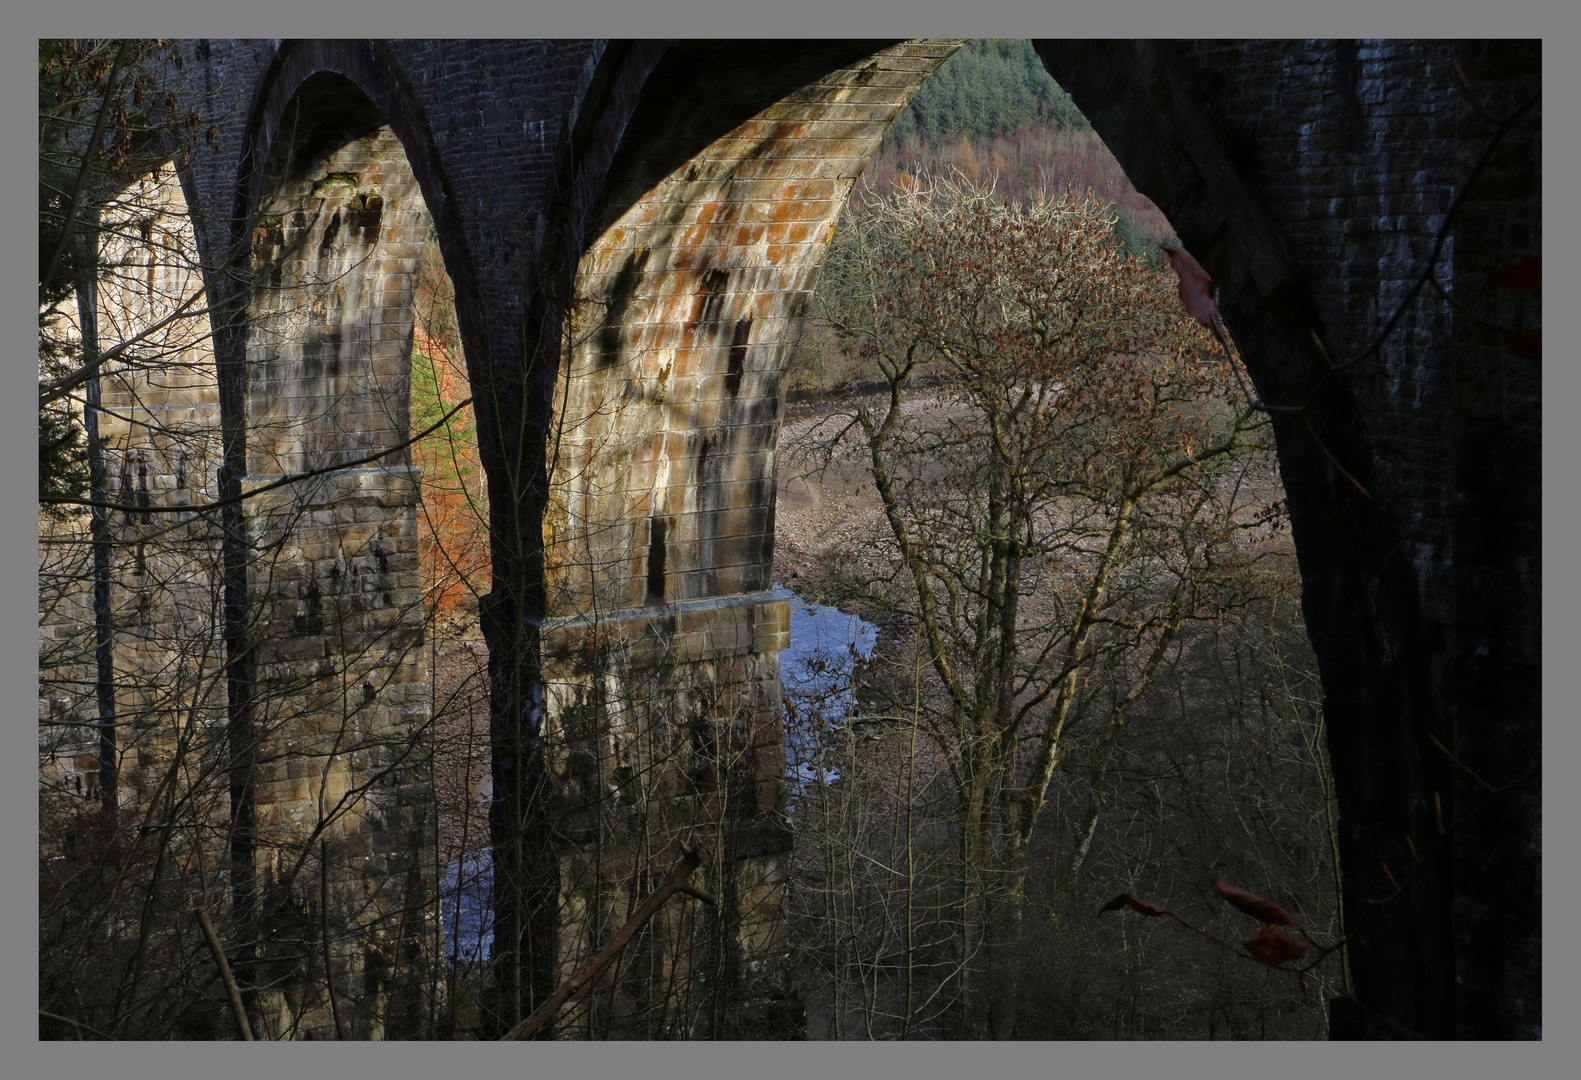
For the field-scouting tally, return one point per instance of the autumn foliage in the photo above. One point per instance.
(452, 522)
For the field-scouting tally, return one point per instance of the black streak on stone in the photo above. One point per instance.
(656, 552)
(620, 294)
(738, 355)
(331, 231)
(703, 450)
(713, 294)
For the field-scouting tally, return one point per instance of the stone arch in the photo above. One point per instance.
(153, 423)
(696, 266)
(1294, 204)
(334, 198)
(345, 90)
(698, 239)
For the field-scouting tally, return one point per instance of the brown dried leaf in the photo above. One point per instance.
(1195, 283)
(1257, 907)
(1142, 907)
(1523, 273)
(1273, 948)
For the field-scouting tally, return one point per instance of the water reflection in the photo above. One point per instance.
(816, 670)
(464, 907)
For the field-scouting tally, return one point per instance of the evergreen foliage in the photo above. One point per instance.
(988, 86)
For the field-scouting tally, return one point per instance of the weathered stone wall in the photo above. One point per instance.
(159, 419)
(347, 151)
(688, 301)
(345, 154)
(666, 730)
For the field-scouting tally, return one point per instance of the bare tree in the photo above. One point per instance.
(1065, 486)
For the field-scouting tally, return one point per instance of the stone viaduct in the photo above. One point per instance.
(633, 229)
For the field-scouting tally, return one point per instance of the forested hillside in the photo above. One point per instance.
(987, 86)
(993, 111)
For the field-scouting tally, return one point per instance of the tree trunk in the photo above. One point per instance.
(974, 991)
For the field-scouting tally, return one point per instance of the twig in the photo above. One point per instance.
(1155, 911)
(1465, 88)
(323, 911)
(77, 1025)
(705, 897)
(1334, 461)
(1467, 769)
(690, 859)
(294, 478)
(1224, 342)
(53, 391)
(1400, 887)
(48, 278)
(231, 989)
(1428, 275)
(1430, 271)
(1462, 306)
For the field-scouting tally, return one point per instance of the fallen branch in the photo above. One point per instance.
(231, 989)
(690, 859)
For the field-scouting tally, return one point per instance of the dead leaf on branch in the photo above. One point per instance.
(1523, 273)
(1195, 287)
(1141, 907)
(1273, 948)
(1256, 906)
